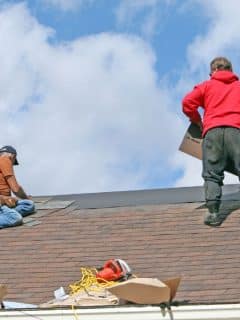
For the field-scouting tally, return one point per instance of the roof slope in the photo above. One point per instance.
(160, 240)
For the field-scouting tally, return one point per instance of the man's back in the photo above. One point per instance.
(220, 99)
(6, 170)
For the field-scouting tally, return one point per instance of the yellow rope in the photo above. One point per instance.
(89, 281)
(75, 313)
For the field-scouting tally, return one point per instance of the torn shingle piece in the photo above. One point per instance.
(32, 223)
(28, 219)
(41, 199)
(53, 205)
(40, 214)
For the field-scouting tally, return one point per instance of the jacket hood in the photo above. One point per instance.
(224, 76)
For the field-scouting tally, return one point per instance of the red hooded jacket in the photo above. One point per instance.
(220, 99)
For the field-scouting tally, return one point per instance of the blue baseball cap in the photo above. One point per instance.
(10, 149)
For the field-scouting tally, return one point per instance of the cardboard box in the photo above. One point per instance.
(192, 145)
(3, 293)
(146, 290)
(192, 142)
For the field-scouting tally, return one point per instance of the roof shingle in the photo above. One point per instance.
(160, 241)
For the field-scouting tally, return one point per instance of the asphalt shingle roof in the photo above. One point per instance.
(159, 240)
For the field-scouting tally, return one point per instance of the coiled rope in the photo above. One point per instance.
(88, 283)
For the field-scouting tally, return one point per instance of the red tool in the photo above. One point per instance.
(113, 270)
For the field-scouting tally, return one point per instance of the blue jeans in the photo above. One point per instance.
(11, 217)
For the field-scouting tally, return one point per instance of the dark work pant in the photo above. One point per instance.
(221, 150)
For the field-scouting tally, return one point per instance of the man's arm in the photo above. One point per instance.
(16, 188)
(190, 104)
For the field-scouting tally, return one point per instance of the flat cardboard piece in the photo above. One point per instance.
(173, 284)
(145, 290)
(91, 297)
(3, 291)
(192, 142)
(192, 145)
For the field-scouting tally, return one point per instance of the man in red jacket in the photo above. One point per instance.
(220, 99)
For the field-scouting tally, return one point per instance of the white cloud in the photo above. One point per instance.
(89, 115)
(67, 5)
(128, 11)
(221, 38)
(193, 171)
(86, 115)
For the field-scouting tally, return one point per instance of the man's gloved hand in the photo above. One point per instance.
(200, 124)
(11, 202)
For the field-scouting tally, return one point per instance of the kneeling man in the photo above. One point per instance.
(12, 209)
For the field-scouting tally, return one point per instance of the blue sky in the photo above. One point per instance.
(176, 25)
(91, 89)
